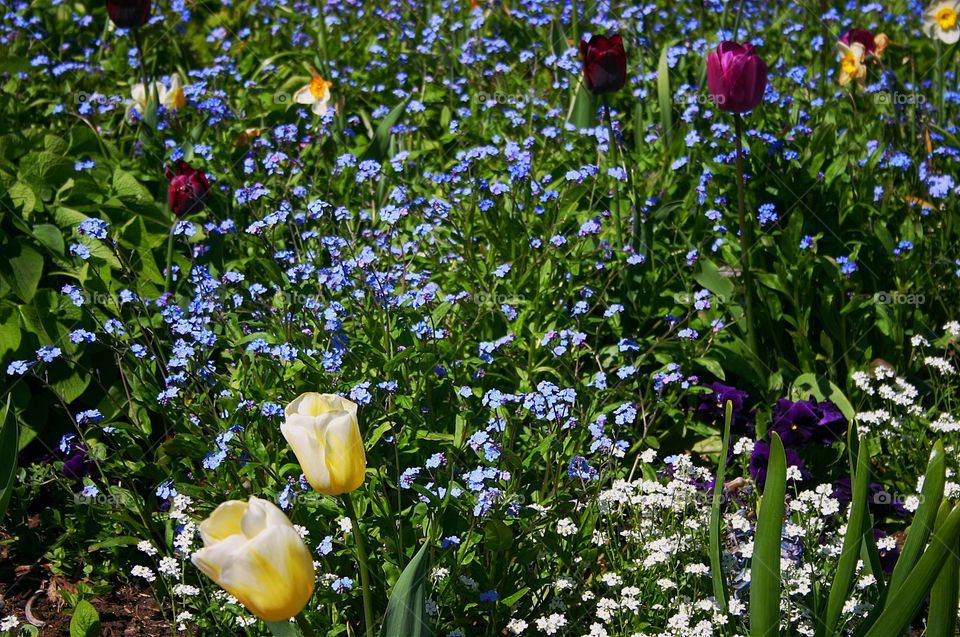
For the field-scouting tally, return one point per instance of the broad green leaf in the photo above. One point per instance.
(765, 566)
(50, 237)
(716, 516)
(9, 443)
(380, 144)
(406, 614)
(850, 552)
(923, 521)
(26, 267)
(711, 278)
(583, 112)
(901, 608)
(497, 536)
(85, 621)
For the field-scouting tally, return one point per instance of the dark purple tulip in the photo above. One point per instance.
(736, 77)
(188, 189)
(862, 36)
(604, 64)
(128, 14)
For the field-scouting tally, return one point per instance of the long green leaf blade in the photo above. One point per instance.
(901, 608)
(850, 552)
(407, 609)
(716, 517)
(944, 598)
(9, 437)
(923, 522)
(765, 566)
(665, 97)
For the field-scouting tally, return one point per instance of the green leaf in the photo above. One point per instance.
(26, 268)
(850, 552)
(380, 144)
(583, 111)
(716, 516)
(711, 278)
(406, 614)
(23, 197)
(923, 521)
(497, 536)
(765, 565)
(9, 439)
(284, 629)
(944, 597)
(128, 189)
(807, 385)
(85, 621)
(50, 237)
(664, 96)
(901, 608)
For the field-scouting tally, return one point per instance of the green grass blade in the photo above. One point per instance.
(901, 608)
(849, 554)
(923, 521)
(665, 97)
(765, 565)
(716, 517)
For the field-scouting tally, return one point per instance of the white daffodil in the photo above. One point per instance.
(170, 96)
(940, 21)
(851, 63)
(316, 94)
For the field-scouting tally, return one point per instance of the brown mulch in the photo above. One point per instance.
(128, 610)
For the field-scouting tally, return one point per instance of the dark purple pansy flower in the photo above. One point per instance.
(883, 502)
(807, 422)
(760, 457)
(78, 464)
(711, 409)
(888, 556)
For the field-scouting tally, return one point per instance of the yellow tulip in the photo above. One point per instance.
(253, 552)
(324, 433)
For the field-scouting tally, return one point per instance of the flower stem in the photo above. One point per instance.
(169, 271)
(744, 239)
(304, 625)
(574, 26)
(611, 162)
(362, 557)
(151, 115)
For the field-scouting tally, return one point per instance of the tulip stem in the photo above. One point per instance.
(744, 239)
(612, 162)
(362, 557)
(305, 626)
(169, 272)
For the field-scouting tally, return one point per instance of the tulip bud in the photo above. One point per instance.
(736, 77)
(323, 431)
(604, 64)
(128, 14)
(187, 190)
(253, 552)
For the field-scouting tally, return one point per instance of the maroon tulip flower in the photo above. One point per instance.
(188, 189)
(736, 77)
(862, 36)
(604, 64)
(128, 14)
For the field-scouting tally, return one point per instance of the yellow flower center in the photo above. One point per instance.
(318, 88)
(947, 18)
(849, 64)
(178, 99)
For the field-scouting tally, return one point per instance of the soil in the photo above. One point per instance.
(129, 610)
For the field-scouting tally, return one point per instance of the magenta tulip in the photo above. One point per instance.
(736, 77)
(187, 190)
(604, 64)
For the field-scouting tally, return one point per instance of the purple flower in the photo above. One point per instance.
(760, 457)
(808, 422)
(711, 409)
